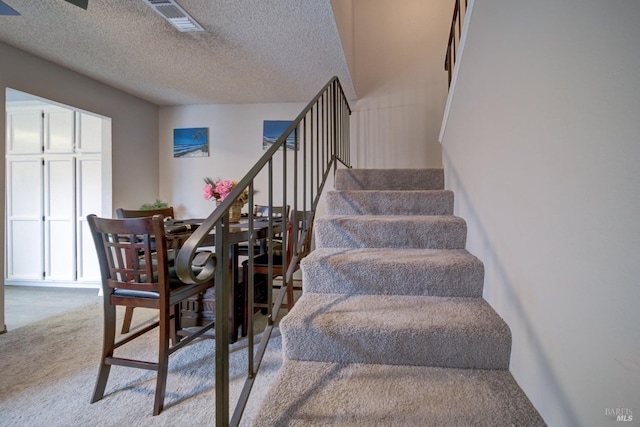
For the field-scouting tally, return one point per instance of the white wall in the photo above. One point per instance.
(395, 51)
(542, 150)
(235, 144)
(134, 122)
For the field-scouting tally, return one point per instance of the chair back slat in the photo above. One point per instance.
(131, 213)
(263, 211)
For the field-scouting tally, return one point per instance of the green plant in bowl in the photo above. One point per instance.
(158, 204)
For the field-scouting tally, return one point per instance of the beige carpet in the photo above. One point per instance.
(48, 370)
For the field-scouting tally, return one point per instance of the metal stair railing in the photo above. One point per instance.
(459, 13)
(321, 135)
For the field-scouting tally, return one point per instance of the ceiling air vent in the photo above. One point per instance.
(7, 10)
(176, 15)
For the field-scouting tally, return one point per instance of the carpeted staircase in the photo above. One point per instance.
(391, 328)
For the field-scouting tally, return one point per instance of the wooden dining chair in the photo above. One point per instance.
(263, 212)
(131, 213)
(132, 254)
(299, 232)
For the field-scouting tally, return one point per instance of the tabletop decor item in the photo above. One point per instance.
(219, 189)
(158, 204)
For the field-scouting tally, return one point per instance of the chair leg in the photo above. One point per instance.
(175, 325)
(243, 300)
(126, 323)
(163, 363)
(108, 341)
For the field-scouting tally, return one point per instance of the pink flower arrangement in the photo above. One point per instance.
(220, 189)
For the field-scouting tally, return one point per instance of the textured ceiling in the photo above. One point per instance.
(252, 51)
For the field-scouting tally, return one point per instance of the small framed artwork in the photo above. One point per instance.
(191, 142)
(273, 129)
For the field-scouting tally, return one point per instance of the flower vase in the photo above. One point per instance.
(235, 211)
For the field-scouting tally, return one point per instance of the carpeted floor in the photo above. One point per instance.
(392, 329)
(48, 370)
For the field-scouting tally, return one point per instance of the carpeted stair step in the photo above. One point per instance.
(389, 179)
(357, 395)
(387, 202)
(391, 231)
(396, 330)
(434, 272)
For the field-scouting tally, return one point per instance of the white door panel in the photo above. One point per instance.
(59, 218)
(88, 267)
(89, 184)
(59, 250)
(24, 260)
(90, 133)
(24, 133)
(24, 219)
(25, 182)
(60, 131)
(89, 180)
(59, 187)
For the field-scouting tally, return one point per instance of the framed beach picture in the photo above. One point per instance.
(273, 129)
(191, 142)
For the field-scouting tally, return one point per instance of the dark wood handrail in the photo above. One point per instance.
(321, 133)
(450, 58)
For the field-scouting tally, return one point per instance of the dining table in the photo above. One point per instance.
(199, 309)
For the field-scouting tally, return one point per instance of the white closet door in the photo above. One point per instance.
(89, 201)
(59, 131)
(24, 132)
(54, 180)
(25, 260)
(59, 218)
(89, 133)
